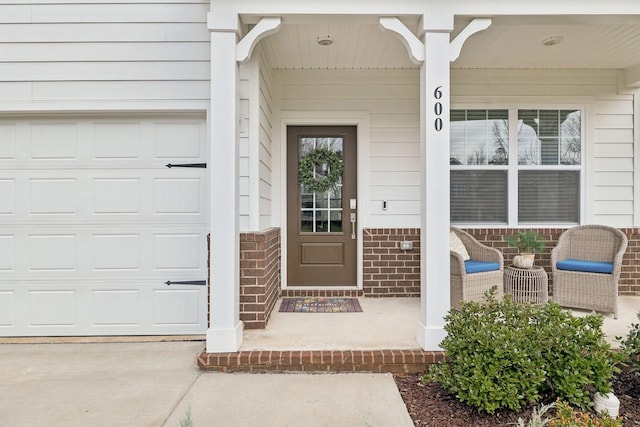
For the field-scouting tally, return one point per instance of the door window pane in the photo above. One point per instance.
(321, 222)
(306, 221)
(336, 221)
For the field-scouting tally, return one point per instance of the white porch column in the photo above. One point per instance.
(225, 328)
(434, 158)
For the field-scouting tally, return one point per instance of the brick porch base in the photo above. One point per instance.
(377, 361)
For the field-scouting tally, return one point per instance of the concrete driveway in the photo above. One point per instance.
(154, 384)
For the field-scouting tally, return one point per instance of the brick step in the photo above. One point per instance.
(377, 361)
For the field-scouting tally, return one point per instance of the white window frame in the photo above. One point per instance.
(513, 167)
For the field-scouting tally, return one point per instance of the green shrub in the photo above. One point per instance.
(489, 347)
(631, 345)
(575, 355)
(502, 354)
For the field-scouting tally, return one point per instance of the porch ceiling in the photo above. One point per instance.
(589, 42)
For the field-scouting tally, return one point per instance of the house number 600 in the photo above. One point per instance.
(437, 108)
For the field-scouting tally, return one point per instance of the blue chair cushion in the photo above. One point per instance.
(585, 266)
(472, 266)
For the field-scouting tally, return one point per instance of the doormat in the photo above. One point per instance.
(320, 305)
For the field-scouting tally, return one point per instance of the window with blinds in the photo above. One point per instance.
(542, 160)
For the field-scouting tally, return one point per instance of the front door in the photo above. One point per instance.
(321, 206)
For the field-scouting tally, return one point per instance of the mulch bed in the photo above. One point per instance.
(431, 405)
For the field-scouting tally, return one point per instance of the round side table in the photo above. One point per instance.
(526, 284)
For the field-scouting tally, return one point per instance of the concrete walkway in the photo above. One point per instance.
(154, 384)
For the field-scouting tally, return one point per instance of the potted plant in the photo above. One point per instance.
(528, 244)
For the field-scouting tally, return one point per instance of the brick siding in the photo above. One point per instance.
(387, 270)
(630, 276)
(259, 276)
(327, 293)
(390, 272)
(379, 361)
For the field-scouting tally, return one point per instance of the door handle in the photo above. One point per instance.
(353, 226)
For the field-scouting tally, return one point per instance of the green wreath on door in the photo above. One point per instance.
(317, 157)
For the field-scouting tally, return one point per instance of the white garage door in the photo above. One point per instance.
(92, 225)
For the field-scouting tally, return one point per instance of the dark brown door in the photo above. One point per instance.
(322, 229)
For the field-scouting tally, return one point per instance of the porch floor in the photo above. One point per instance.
(381, 338)
(384, 323)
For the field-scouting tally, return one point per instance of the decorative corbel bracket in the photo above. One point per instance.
(411, 42)
(477, 25)
(264, 28)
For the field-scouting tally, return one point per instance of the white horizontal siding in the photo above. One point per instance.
(603, 193)
(392, 99)
(107, 90)
(256, 192)
(109, 71)
(52, 52)
(117, 51)
(605, 164)
(265, 126)
(609, 124)
(397, 149)
(105, 32)
(613, 162)
(184, 11)
(613, 179)
(390, 164)
(244, 152)
(613, 150)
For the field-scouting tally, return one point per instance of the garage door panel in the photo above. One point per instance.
(48, 253)
(118, 140)
(96, 197)
(178, 252)
(177, 196)
(7, 309)
(7, 196)
(117, 252)
(52, 308)
(173, 307)
(7, 253)
(101, 142)
(54, 196)
(119, 196)
(117, 307)
(178, 140)
(54, 140)
(8, 138)
(138, 308)
(107, 251)
(92, 225)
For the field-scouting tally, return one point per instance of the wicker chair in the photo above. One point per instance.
(596, 291)
(472, 286)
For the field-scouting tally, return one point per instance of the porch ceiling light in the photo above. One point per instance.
(552, 41)
(325, 40)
